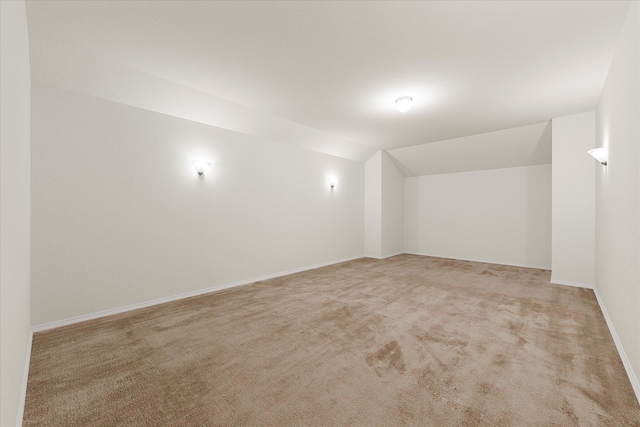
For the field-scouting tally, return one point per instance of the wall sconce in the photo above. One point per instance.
(200, 166)
(332, 184)
(600, 154)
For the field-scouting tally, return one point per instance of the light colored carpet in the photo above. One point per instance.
(409, 340)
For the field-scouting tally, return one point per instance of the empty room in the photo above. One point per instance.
(322, 213)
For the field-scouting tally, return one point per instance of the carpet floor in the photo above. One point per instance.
(409, 340)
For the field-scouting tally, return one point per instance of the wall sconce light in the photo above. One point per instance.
(403, 104)
(600, 154)
(200, 166)
(332, 183)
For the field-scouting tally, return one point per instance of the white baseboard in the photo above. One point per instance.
(568, 283)
(538, 267)
(394, 254)
(635, 384)
(136, 306)
(383, 257)
(25, 379)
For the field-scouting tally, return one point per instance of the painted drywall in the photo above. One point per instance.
(392, 208)
(14, 210)
(119, 215)
(573, 200)
(373, 206)
(499, 216)
(384, 207)
(338, 66)
(522, 146)
(153, 93)
(618, 193)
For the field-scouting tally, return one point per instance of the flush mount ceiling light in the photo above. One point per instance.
(600, 154)
(200, 166)
(404, 104)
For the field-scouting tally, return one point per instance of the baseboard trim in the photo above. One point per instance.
(392, 255)
(25, 380)
(383, 257)
(538, 267)
(568, 283)
(635, 384)
(136, 306)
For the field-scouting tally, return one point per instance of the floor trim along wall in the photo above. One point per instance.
(118, 310)
(625, 360)
(568, 283)
(390, 255)
(25, 380)
(539, 267)
(384, 256)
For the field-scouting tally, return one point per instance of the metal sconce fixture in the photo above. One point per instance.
(332, 184)
(600, 154)
(200, 166)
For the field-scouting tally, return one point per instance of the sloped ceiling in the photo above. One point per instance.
(521, 146)
(324, 75)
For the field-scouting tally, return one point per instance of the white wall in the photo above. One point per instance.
(522, 146)
(392, 208)
(498, 216)
(119, 216)
(618, 193)
(384, 207)
(573, 201)
(14, 209)
(373, 206)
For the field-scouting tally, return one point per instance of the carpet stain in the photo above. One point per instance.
(441, 338)
(500, 360)
(387, 358)
(516, 326)
(473, 417)
(484, 388)
(569, 411)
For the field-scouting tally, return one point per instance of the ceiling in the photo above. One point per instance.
(522, 146)
(324, 75)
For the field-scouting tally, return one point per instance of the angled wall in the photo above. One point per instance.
(392, 208)
(384, 207)
(618, 196)
(573, 205)
(373, 206)
(14, 210)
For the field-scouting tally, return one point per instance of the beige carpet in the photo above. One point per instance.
(408, 340)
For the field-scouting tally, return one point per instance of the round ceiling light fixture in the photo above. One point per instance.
(403, 104)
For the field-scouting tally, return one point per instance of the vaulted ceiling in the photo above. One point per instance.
(324, 75)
